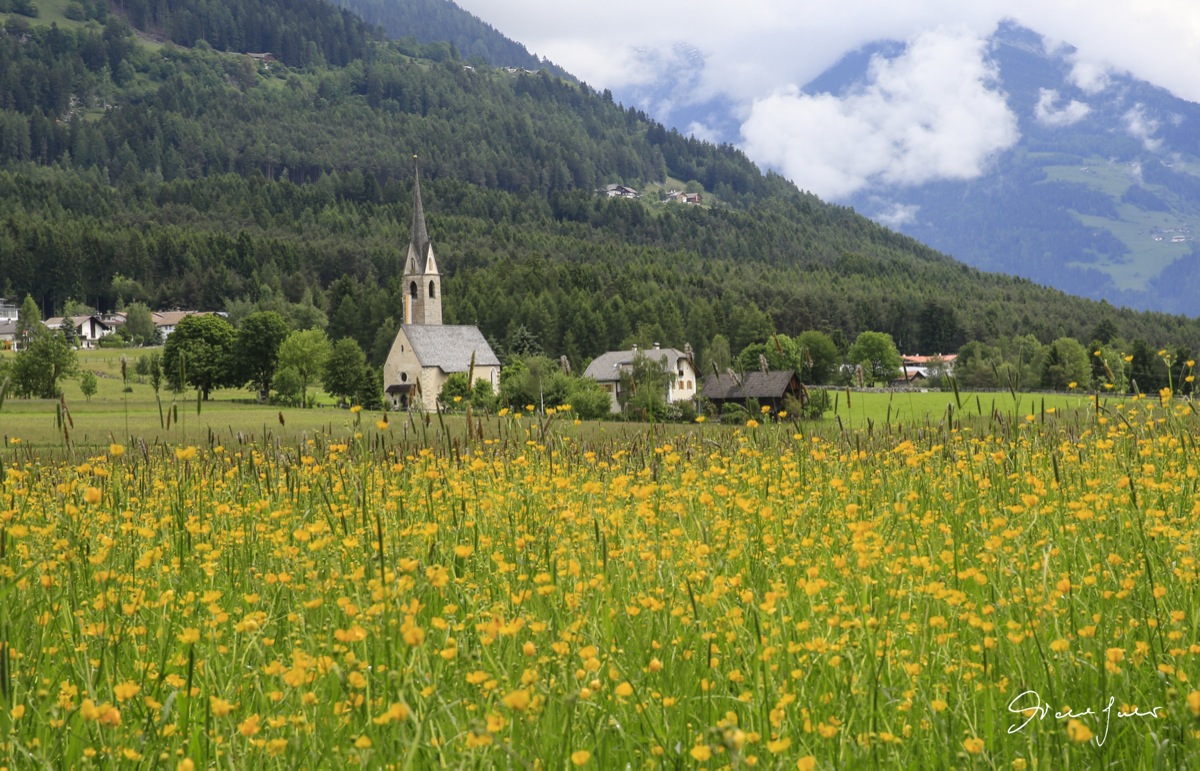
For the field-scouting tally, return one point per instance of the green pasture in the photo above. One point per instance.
(233, 416)
(1135, 227)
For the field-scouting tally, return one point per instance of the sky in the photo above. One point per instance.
(935, 112)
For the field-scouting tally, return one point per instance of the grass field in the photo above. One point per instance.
(949, 596)
(233, 415)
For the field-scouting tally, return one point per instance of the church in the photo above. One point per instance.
(426, 352)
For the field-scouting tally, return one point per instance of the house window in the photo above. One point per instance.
(432, 293)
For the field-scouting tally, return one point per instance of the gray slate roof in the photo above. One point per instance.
(755, 385)
(450, 347)
(607, 366)
(8, 327)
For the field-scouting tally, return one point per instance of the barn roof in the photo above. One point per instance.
(754, 385)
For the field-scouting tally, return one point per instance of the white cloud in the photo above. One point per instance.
(1141, 126)
(898, 214)
(1091, 77)
(757, 46)
(932, 113)
(1049, 114)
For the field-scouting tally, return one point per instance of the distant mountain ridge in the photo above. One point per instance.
(1104, 203)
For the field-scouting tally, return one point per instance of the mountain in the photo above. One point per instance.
(1100, 197)
(135, 168)
(442, 21)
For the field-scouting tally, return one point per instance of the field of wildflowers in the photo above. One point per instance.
(941, 596)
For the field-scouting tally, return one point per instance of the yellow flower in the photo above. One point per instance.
(806, 763)
(779, 745)
(700, 418)
(382, 425)
(363, 742)
(1078, 732)
(92, 495)
(219, 707)
(751, 423)
(189, 635)
(18, 712)
(517, 700)
(765, 409)
(973, 745)
(126, 690)
(701, 752)
(624, 689)
(580, 757)
(249, 726)
(1072, 385)
(356, 409)
(185, 453)
(116, 450)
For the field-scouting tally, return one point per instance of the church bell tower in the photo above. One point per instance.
(422, 282)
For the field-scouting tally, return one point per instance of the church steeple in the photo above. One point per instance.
(422, 282)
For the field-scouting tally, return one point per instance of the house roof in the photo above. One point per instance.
(916, 360)
(8, 328)
(55, 322)
(172, 318)
(754, 385)
(607, 366)
(449, 347)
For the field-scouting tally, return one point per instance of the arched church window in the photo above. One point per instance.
(412, 290)
(432, 293)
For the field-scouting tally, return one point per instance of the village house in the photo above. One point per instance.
(679, 196)
(426, 352)
(768, 388)
(8, 334)
(9, 313)
(606, 370)
(88, 328)
(619, 191)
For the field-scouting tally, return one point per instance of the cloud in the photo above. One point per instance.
(932, 113)
(1048, 114)
(1091, 77)
(897, 215)
(1141, 126)
(758, 46)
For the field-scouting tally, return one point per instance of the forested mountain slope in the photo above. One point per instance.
(192, 177)
(442, 21)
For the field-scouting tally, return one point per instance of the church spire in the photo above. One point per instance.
(420, 235)
(422, 281)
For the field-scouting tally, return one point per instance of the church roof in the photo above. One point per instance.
(419, 246)
(450, 347)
